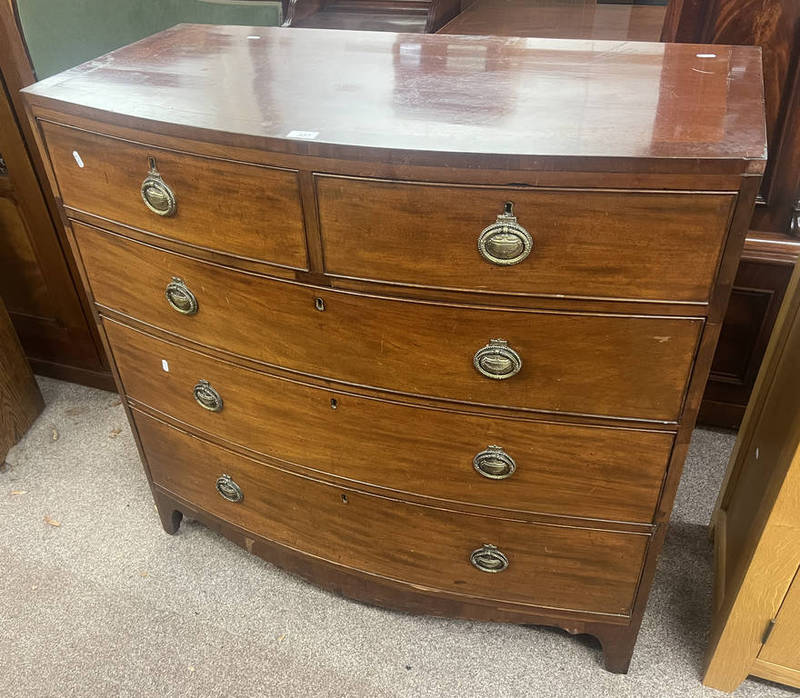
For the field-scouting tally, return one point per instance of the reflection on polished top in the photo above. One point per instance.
(502, 96)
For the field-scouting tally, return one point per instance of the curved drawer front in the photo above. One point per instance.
(619, 244)
(574, 363)
(557, 468)
(230, 207)
(552, 566)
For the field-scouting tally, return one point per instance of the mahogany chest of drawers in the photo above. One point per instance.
(424, 319)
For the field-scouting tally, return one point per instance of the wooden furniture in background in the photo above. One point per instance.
(756, 525)
(49, 310)
(437, 343)
(411, 16)
(773, 242)
(20, 399)
(560, 19)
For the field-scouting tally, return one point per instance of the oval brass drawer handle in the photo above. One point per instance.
(207, 397)
(228, 489)
(157, 196)
(497, 360)
(494, 463)
(488, 558)
(505, 242)
(180, 298)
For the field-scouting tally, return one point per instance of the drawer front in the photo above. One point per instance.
(662, 246)
(562, 469)
(627, 366)
(554, 566)
(244, 210)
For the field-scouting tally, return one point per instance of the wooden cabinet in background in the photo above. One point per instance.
(20, 399)
(772, 245)
(49, 310)
(757, 525)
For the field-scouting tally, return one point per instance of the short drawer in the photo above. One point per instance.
(240, 209)
(617, 244)
(616, 365)
(563, 469)
(576, 568)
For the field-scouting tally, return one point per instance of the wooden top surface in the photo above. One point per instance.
(487, 96)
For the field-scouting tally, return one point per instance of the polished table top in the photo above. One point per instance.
(323, 92)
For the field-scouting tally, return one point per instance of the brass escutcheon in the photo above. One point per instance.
(505, 242)
(494, 463)
(488, 558)
(497, 360)
(207, 397)
(180, 298)
(157, 196)
(228, 489)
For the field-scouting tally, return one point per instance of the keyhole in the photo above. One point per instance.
(319, 304)
(334, 403)
(344, 499)
(509, 208)
(152, 162)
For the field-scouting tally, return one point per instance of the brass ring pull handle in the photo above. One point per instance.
(157, 196)
(180, 298)
(488, 558)
(228, 489)
(494, 463)
(505, 242)
(207, 397)
(497, 360)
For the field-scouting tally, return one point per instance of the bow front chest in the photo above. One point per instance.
(423, 319)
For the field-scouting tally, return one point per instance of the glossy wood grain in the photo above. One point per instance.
(663, 245)
(574, 363)
(625, 100)
(241, 209)
(552, 566)
(561, 469)
(499, 112)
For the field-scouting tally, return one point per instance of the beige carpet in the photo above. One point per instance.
(96, 600)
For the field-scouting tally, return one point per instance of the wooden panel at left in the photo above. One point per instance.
(20, 399)
(38, 279)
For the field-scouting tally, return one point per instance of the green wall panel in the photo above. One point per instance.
(63, 33)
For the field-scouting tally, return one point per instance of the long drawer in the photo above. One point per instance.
(236, 208)
(559, 567)
(616, 365)
(552, 468)
(620, 244)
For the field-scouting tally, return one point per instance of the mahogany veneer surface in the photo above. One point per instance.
(329, 191)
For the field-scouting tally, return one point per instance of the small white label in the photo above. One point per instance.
(308, 135)
(253, 37)
(77, 157)
(706, 55)
(165, 365)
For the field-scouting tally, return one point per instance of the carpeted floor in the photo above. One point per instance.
(96, 600)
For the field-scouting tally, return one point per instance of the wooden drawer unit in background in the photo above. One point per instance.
(433, 361)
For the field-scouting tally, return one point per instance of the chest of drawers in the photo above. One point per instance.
(425, 320)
